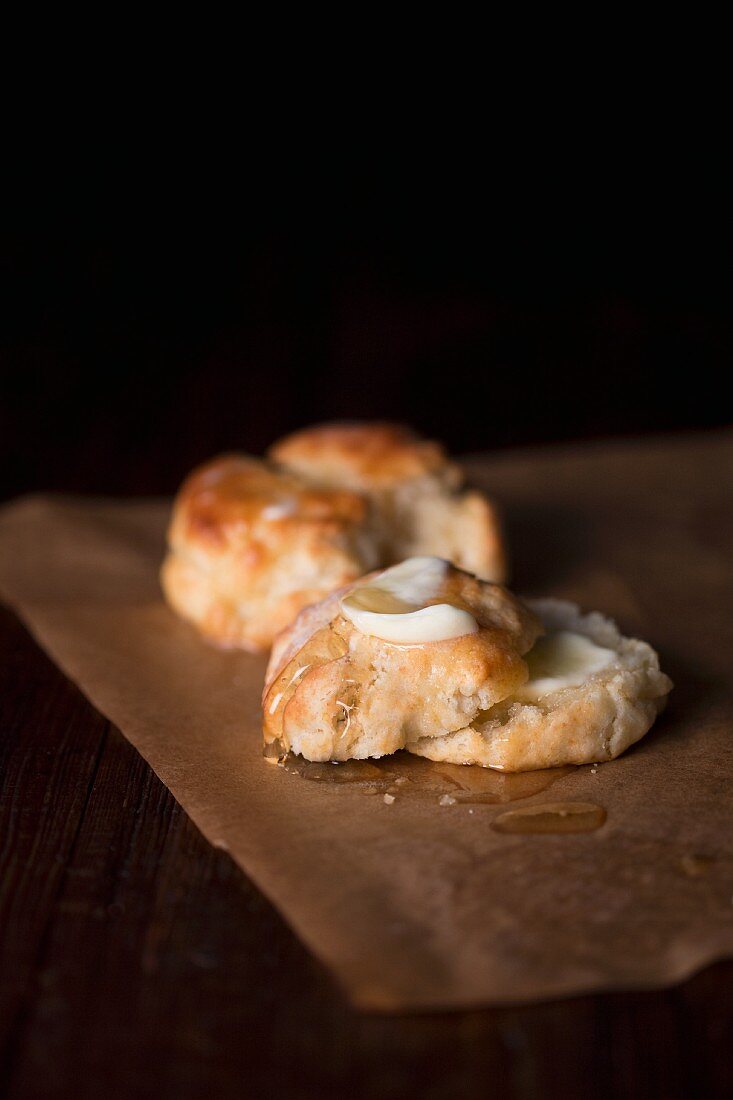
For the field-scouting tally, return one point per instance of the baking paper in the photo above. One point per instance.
(413, 904)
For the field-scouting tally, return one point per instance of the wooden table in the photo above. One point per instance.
(137, 960)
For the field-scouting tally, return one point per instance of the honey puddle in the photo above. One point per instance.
(406, 775)
(551, 817)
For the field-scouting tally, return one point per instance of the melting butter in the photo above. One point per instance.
(392, 606)
(560, 660)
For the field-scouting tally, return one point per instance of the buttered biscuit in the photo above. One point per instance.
(426, 658)
(413, 652)
(590, 694)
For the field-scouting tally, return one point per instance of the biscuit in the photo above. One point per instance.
(528, 686)
(549, 722)
(250, 546)
(335, 692)
(253, 541)
(418, 506)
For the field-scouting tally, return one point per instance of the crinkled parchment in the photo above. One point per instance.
(414, 905)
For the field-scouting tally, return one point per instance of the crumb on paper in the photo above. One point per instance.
(389, 799)
(446, 800)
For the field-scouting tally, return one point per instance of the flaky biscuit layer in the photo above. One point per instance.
(417, 502)
(594, 721)
(334, 694)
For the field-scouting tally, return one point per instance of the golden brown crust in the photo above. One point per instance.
(292, 639)
(218, 500)
(250, 546)
(367, 456)
(253, 541)
(332, 692)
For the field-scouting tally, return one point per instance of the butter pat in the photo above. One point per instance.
(395, 606)
(561, 660)
(437, 623)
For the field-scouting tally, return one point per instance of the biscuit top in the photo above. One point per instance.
(505, 625)
(233, 494)
(376, 455)
(403, 605)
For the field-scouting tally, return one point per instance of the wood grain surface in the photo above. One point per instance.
(139, 961)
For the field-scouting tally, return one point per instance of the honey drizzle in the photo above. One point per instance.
(406, 775)
(551, 817)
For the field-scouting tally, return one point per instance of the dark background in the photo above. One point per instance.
(152, 318)
(157, 308)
